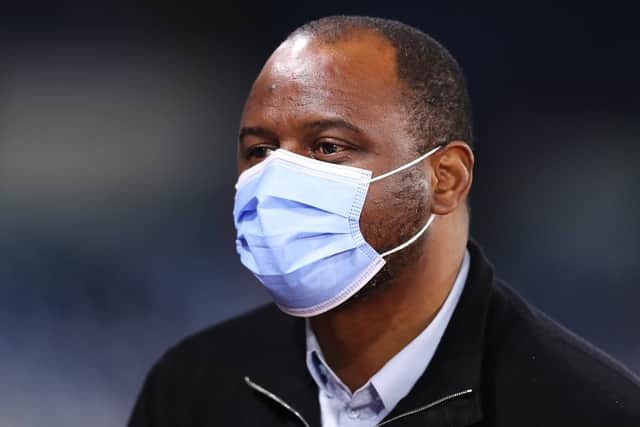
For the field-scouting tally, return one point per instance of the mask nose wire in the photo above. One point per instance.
(408, 165)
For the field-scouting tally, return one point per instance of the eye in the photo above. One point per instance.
(329, 148)
(259, 152)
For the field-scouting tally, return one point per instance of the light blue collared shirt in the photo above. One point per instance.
(368, 405)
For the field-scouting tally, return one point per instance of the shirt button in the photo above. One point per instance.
(353, 414)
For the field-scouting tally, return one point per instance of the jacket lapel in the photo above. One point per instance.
(286, 374)
(457, 364)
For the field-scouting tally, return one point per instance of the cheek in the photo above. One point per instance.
(395, 209)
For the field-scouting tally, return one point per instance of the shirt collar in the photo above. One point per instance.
(398, 376)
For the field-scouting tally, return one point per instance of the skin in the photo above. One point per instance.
(340, 102)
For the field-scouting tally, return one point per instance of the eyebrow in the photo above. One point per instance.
(256, 131)
(316, 124)
(332, 123)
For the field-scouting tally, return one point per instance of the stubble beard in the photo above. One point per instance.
(411, 201)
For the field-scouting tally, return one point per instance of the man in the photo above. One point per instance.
(355, 166)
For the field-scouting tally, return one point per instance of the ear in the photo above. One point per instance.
(451, 176)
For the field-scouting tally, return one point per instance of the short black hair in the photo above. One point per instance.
(435, 89)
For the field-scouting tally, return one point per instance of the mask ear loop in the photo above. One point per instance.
(408, 165)
(411, 240)
(431, 218)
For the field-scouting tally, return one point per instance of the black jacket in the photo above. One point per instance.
(501, 362)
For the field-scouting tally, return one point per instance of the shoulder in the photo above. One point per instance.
(231, 342)
(205, 371)
(547, 364)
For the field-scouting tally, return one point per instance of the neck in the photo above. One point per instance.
(359, 337)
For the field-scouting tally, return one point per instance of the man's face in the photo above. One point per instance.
(341, 103)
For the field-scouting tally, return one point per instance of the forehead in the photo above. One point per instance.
(354, 78)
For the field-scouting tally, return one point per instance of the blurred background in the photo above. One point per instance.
(118, 125)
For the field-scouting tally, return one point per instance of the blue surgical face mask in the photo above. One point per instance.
(298, 224)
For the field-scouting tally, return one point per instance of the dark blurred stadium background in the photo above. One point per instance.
(118, 127)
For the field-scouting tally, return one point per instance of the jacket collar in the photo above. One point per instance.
(440, 397)
(457, 363)
(284, 372)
